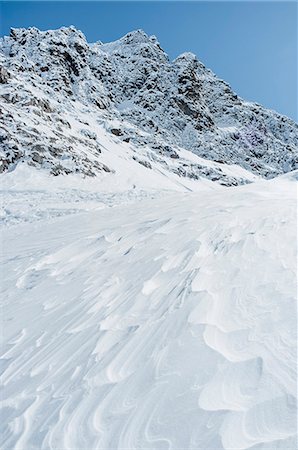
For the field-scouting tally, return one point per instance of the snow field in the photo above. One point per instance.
(164, 323)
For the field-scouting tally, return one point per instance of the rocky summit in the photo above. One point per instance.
(58, 93)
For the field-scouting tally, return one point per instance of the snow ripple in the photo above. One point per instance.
(167, 326)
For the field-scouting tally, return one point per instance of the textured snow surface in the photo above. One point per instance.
(159, 323)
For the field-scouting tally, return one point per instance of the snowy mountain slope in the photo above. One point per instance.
(166, 323)
(148, 297)
(59, 94)
(28, 195)
(76, 139)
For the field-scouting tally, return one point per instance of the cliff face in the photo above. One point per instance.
(52, 82)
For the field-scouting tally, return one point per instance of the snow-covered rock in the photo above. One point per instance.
(54, 85)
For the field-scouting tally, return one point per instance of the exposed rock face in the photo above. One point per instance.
(4, 75)
(47, 77)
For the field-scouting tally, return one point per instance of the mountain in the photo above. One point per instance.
(148, 290)
(62, 98)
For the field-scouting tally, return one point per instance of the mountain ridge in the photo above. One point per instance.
(156, 103)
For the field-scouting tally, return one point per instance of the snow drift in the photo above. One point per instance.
(168, 322)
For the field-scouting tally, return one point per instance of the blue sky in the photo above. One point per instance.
(252, 45)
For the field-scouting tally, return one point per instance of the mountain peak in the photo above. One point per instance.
(132, 42)
(139, 37)
(135, 37)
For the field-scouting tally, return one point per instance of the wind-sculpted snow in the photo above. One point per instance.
(53, 82)
(167, 325)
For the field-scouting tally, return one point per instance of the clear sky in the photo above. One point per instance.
(252, 45)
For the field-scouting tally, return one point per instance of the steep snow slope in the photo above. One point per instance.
(58, 93)
(167, 323)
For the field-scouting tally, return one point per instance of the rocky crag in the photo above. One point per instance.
(57, 92)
